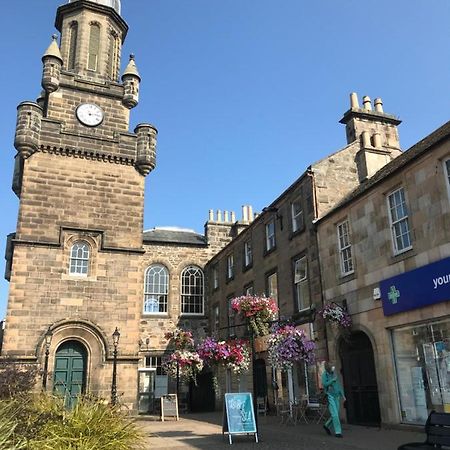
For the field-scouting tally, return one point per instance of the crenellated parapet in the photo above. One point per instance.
(145, 148)
(28, 128)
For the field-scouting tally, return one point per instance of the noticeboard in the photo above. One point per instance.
(239, 415)
(169, 406)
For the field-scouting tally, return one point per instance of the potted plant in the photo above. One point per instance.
(258, 311)
(288, 345)
(336, 315)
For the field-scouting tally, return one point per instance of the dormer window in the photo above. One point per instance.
(79, 259)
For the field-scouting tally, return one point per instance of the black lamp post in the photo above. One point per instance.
(116, 337)
(48, 340)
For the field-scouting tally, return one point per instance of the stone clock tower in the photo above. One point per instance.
(75, 260)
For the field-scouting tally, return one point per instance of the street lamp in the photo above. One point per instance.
(116, 337)
(48, 340)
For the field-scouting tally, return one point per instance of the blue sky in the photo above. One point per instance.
(245, 93)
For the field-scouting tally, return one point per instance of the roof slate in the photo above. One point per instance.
(174, 237)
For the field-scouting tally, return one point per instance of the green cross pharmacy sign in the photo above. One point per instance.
(393, 295)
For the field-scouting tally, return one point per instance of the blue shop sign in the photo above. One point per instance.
(417, 288)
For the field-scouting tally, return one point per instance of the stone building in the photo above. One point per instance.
(277, 254)
(385, 253)
(79, 264)
(363, 224)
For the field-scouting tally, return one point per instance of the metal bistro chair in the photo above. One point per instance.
(301, 409)
(286, 412)
(319, 409)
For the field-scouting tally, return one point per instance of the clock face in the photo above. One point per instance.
(89, 114)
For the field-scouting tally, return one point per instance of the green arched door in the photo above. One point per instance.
(70, 371)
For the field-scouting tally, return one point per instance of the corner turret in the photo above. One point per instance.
(131, 80)
(146, 148)
(52, 63)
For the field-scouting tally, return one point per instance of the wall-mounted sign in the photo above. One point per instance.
(417, 288)
(239, 416)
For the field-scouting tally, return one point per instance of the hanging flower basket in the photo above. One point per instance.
(180, 339)
(336, 316)
(185, 364)
(288, 345)
(233, 354)
(259, 311)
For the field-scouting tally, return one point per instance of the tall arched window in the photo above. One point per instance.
(156, 289)
(114, 52)
(79, 259)
(72, 45)
(192, 290)
(94, 47)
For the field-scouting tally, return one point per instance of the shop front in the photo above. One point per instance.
(421, 348)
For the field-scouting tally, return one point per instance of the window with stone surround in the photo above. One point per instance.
(215, 319)
(79, 259)
(230, 267)
(345, 248)
(270, 235)
(73, 38)
(231, 317)
(249, 289)
(272, 285)
(192, 282)
(215, 276)
(398, 217)
(94, 47)
(297, 218)
(248, 254)
(301, 283)
(447, 175)
(156, 289)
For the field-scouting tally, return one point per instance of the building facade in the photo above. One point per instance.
(277, 254)
(385, 254)
(356, 228)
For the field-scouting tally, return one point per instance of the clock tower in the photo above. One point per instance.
(75, 260)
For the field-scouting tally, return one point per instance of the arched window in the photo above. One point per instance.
(114, 55)
(94, 47)
(156, 289)
(72, 45)
(79, 259)
(192, 290)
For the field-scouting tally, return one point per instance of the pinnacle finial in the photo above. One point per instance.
(54, 37)
(132, 56)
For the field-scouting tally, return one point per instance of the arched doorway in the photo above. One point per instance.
(70, 371)
(360, 381)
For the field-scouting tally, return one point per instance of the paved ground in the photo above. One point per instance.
(204, 431)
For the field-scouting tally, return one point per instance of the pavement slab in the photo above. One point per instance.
(204, 431)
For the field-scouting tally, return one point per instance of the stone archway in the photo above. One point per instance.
(360, 381)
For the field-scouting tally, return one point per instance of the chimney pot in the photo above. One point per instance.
(219, 215)
(244, 213)
(226, 217)
(233, 217)
(211, 216)
(354, 102)
(378, 103)
(366, 139)
(377, 140)
(366, 103)
(250, 213)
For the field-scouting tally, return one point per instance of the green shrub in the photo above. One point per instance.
(8, 425)
(42, 422)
